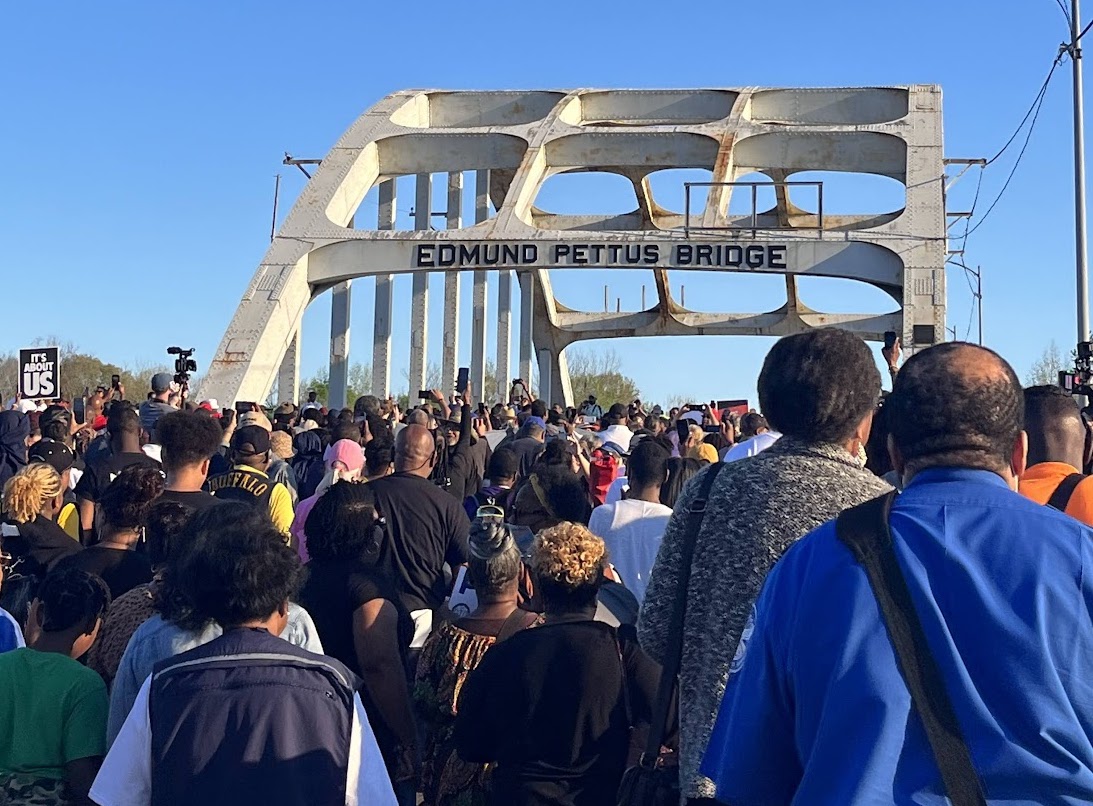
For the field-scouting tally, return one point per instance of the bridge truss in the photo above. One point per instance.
(509, 143)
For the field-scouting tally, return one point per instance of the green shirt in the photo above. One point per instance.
(52, 711)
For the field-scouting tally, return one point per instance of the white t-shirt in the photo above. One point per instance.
(618, 488)
(632, 531)
(125, 778)
(753, 446)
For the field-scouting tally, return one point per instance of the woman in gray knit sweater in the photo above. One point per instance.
(820, 390)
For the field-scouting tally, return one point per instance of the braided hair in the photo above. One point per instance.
(126, 500)
(29, 489)
(70, 598)
(494, 557)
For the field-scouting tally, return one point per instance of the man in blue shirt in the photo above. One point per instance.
(816, 710)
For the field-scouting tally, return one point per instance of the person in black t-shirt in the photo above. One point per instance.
(189, 441)
(59, 456)
(360, 619)
(123, 430)
(593, 683)
(120, 517)
(426, 528)
(528, 446)
(32, 498)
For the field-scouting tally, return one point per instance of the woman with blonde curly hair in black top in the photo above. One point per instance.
(552, 707)
(32, 499)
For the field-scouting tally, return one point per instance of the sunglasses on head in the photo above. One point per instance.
(490, 512)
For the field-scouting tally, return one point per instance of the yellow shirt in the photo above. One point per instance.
(1039, 483)
(69, 520)
(243, 483)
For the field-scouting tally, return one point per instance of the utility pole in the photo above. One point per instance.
(1079, 176)
(276, 196)
(979, 299)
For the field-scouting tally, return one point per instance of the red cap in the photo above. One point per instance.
(99, 423)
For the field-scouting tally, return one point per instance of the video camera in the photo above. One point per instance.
(184, 364)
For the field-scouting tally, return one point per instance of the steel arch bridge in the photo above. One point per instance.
(511, 142)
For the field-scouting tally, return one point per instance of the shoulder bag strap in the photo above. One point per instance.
(673, 651)
(865, 531)
(1065, 491)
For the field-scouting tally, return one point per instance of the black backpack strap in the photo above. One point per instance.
(673, 651)
(1065, 491)
(864, 530)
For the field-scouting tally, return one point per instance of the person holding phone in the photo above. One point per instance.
(892, 352)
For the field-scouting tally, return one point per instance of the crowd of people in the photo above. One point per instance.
(466, 604)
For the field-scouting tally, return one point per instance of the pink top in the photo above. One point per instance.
(350, 456)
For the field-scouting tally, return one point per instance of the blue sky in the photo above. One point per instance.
(140, 142)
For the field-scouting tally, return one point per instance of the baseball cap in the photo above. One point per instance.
(533, 420)
(254, 437)
(55, 454)
(207, 406)
(255, 418)
(161, 382)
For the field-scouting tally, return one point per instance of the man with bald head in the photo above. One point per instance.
(817, 710)
(1059, 444)
(426, 528)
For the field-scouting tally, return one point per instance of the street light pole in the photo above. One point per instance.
(1079, 177)
(979, 299)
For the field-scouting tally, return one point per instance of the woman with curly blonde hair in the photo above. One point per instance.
(32, 499)
(552, 708)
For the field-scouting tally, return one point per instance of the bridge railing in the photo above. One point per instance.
(751, 223)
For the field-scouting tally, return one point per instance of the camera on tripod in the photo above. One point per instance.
(1080, 381)
(184, 364)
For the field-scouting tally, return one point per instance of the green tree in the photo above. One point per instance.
(359, 383)
(1045, 370)
(599, 373)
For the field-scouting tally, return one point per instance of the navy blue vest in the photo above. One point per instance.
(250, 718)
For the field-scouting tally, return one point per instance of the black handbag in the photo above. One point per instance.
(654, 780)
(865, 531)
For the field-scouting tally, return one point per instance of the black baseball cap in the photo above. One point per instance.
(250, 440)
(55, 454)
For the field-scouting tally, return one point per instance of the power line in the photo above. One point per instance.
(1032, 127)
(1084, 32)
(1066, 13)
(971, 214)
(1039, 97)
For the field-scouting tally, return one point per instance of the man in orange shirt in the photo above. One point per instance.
(1059, 443)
